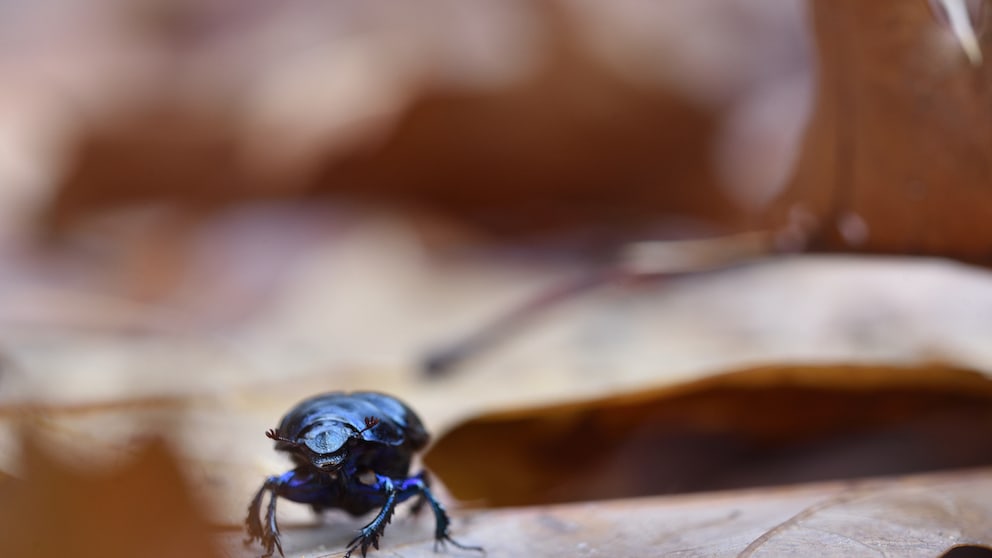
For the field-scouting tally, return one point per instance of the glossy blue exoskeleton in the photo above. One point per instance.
(352, 452)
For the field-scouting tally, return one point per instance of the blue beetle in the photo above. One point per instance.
(352, 452)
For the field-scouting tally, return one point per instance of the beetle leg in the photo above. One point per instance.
(253, 522)
(397, 491)
(298, 485)
(269, 533)
(421, 501)
(369, 535)
(271, 528)
(441, 520)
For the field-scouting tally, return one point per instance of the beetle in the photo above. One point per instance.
(352, 452)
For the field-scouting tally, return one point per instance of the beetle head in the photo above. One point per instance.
(325, 444)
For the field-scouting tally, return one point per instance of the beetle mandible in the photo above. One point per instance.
(352, 452)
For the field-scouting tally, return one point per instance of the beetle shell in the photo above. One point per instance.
(325, 424)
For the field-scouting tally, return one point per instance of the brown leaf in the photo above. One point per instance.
(142, 509)
(896, 159)
(764, 426)
(917, 516)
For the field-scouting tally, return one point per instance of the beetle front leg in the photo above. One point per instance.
(271, 528)
(253, 523)
(299, 485)
(369, 535)
(396, 491)
(269, 533)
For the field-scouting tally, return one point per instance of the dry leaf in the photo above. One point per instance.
(910, 517)
(920, 516)
(896, 159)
(144, 509)
(765, 426)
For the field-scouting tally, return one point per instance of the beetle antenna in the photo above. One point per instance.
(273, 434)
(370, 423)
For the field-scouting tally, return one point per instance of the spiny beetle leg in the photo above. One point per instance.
(268, 533)
(271, 528)
(253, 522)
(298, 485)
(441, 520)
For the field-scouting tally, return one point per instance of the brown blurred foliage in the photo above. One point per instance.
(897, 157)
(894, 160)
(144, 508)
(576, 148)
(582, 144)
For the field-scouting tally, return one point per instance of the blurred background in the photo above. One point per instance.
(351, 184)
(247, 202)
